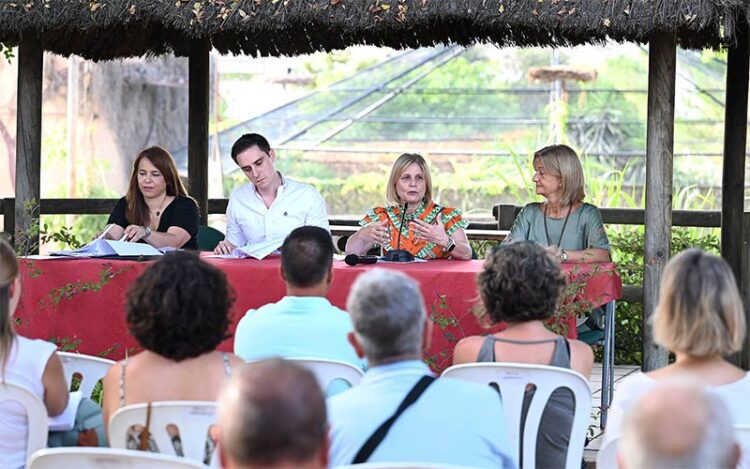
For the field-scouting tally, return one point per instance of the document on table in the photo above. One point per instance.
(66, 420)
(257, 250)
(108, 247)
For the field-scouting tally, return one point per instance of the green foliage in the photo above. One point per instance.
(7, 51)
(628, 253)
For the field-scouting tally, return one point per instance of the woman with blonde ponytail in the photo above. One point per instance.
(32, 364)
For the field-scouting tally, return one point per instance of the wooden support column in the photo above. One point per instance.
(662, 65)
(735, 147)
(28, 144)
(743, 358)
(198, 124)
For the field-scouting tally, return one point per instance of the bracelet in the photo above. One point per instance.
(148, 232)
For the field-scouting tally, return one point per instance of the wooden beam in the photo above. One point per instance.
(28, 144)
(198, 103)
(662, 66)
(735, 145)
(743, 357)
(506, 214)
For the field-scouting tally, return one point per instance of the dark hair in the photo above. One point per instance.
(306, 256)
(137, 211)
(520, 282)
(179, 307)
(272, 411)
(249, 141)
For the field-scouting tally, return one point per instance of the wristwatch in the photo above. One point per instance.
(563, 255)
(148, 232)
(450, 246)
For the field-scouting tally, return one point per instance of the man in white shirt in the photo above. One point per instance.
(271, 205)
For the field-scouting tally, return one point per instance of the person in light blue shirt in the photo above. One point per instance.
(303, 324)
(452, 421)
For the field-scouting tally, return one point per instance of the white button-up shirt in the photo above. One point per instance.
(249, 221)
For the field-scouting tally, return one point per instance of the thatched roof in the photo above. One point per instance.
(105, 29)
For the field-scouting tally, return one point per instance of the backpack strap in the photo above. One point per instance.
(379, 434)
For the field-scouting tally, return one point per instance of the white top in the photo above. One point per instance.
(249, 221)
(26, 363)
(734, 395)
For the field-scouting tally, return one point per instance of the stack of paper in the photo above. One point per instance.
(107, 247)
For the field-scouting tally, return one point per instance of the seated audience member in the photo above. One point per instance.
(303, 324)
(678, 425)
(31, 364)
(451, 421)
(429, 231)
(271, 205)
(272, 414)
(563, 221)
(156, 209)
(701, 319)
(178, 311)
(521, 285)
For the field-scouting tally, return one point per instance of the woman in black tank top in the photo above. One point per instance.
(521, 287)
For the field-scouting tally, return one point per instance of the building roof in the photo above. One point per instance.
(108, 29)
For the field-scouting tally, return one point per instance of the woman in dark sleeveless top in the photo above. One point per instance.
(521, 285)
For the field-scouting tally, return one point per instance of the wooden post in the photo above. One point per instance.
(735, 144)
(743, 358)
(662, 65)
(28, 144)
(198, 101)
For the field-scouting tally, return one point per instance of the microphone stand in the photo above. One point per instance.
(398, 254)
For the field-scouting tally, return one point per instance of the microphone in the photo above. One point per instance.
(398, 254)
(353, 259)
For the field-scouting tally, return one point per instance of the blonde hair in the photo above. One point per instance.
(399, 166)
(8, 273)
(562, 161)
(700, 312)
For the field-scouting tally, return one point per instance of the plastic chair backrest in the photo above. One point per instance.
(190, 420)
(512, 380)
(607, 456)
(36, 414)
(111, 458)
(208, 237)
(91, 369)
(326, 371)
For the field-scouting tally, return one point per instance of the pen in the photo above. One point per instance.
(123, 237)
(106, 230)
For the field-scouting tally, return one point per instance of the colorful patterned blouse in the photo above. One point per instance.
(451, 218)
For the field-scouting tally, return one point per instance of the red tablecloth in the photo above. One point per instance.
(78, 303)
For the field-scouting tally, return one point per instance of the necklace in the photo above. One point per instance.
(562, 232)
(161, 207)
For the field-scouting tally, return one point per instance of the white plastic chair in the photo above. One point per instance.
(512, 379)
(607, 456)
(110, 458)
(36, 414)
(191, 420)
(326, 371)
(91, 369)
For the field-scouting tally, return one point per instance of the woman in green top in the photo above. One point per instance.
(571, 227)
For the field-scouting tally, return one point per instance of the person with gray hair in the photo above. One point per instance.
(272, 414)
(678, 424)
(400, 412)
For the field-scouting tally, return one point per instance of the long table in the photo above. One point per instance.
(79, 303)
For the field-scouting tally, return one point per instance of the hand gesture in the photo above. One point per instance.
(432, 233)
(224, 247)
(554, 253)
(376, 233)
(134, 233)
